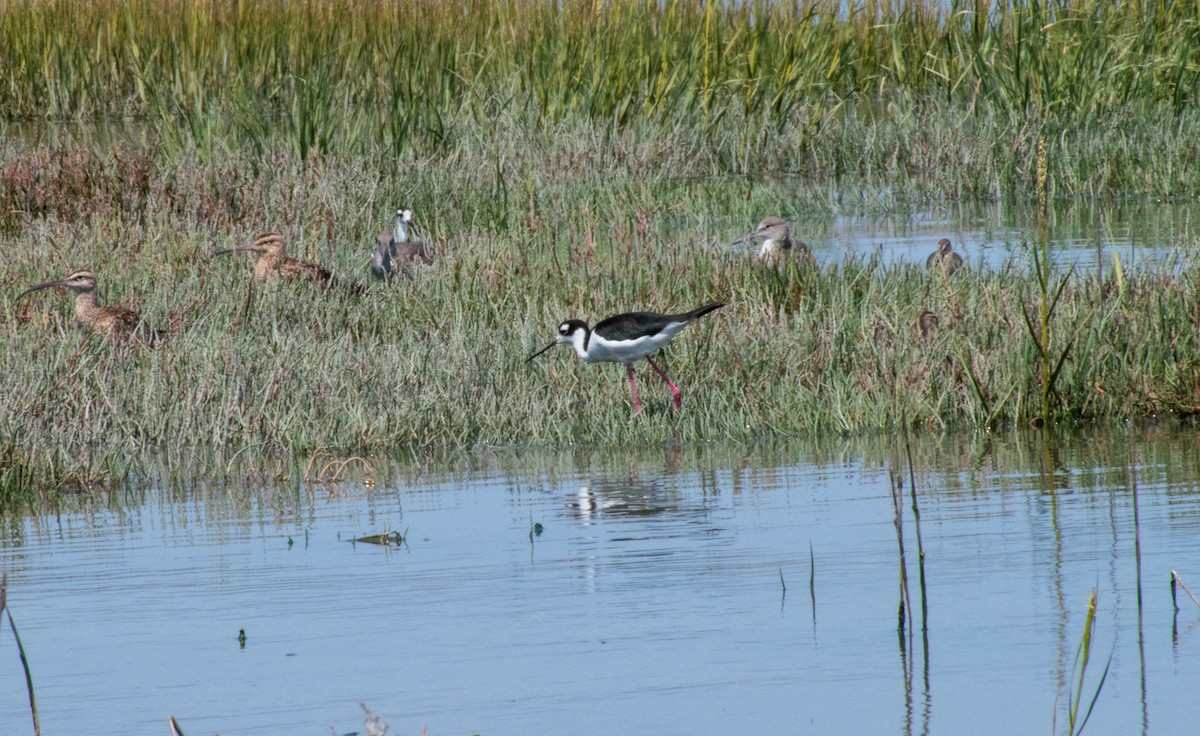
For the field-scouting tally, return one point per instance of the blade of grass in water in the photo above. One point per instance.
(21, 651)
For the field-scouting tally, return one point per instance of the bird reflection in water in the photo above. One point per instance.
(633, 496)
(624, 498)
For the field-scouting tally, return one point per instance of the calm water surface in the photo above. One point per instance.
(1088, 236)
(651, 602)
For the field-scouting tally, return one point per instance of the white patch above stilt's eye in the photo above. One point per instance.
(564, 329)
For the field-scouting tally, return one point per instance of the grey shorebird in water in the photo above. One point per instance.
(394, 252)
(777, 241)
(944, 257)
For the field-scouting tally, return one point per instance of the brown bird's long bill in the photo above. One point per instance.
(541, 351)
(39, 287)
(237, 249)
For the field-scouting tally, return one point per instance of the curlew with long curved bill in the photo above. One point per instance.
(625, 338)
(271, 261)
(113, 322)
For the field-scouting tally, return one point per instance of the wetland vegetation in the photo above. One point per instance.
(573, 161)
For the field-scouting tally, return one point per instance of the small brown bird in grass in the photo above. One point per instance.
(393, 252)
(944, 258)
(271, 261)
(927, 324)
(777, 241)
(113, 322)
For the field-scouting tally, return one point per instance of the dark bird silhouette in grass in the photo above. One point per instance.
(944, 258)
(625, 338)
(394, 253)
(777, 242)
(112, 322)
(927, 324)
(271, 261)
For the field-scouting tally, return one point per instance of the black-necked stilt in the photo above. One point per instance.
(113, 322)
(777, 241)
(624, 338)
(944, 258)
(393, 252)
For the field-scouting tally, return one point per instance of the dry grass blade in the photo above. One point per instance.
(1176, 580)
(37, 729)
(339, 468)
(912, 489)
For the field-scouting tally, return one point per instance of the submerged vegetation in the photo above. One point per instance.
(569, 160)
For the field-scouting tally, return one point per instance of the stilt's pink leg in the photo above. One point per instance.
(674, 388)
(637, 403)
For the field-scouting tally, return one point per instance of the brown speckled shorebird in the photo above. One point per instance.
(113, 322)
(927, 324)
(394, 253)
(271, 261)
(944, 258)
(777, 241)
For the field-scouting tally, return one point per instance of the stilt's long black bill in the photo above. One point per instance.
(39, 287)
(541, 351)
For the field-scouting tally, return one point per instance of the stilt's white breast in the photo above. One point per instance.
(603, 350)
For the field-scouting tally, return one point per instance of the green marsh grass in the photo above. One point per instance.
(621, 60)
(568, 162)
(438, 360)
(766, 85)
(1077, 719)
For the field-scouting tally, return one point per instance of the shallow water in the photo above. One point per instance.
(1087, 236)
(653, 600)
